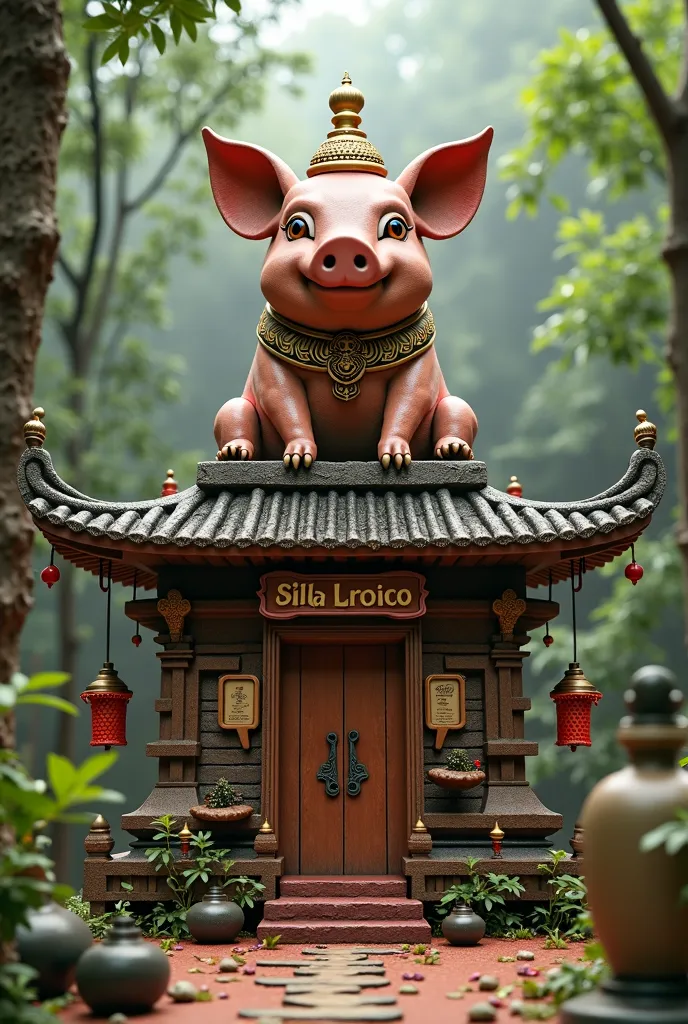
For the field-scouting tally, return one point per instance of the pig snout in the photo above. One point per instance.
(343, 262)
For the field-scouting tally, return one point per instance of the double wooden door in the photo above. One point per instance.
(342, 759)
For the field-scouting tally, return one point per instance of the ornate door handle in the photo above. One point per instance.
(327, 772)
(358, 772)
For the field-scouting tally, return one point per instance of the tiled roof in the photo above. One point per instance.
(343, 506)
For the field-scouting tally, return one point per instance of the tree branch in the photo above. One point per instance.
(67, 269)
(96, 200)
(183, 136)
(661, 106)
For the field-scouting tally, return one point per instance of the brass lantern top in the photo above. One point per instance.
(107, 681)
(346, 147)
(574, 681)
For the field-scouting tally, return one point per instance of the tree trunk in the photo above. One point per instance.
(33, 81)
(676, 255)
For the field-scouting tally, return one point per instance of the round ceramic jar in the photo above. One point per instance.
(216, 919)
(52, 944)
(462, 926)
(123, 973)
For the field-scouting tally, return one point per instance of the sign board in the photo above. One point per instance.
(396, 595)
(238, 705)
(445, 705)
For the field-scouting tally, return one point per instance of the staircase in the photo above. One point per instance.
(347, 908)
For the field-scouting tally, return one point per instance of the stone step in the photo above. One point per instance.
(358, 908)
(346, 931)
(342, 885)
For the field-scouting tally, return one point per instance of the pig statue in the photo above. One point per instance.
(345, 367)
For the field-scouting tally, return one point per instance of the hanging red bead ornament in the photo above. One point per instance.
(633, 571)
(574, 695)
(51, 574)
(136, 639)
(107, 695)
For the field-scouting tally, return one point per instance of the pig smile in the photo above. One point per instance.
(343, 288)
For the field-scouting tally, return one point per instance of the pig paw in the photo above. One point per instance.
(240, 448)
(450, 447)
(300, 451)
(394, 450)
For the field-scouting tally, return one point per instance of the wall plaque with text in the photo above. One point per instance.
(445, 705)
(396, 595)
(238, 705)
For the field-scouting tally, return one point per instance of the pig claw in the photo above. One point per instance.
(394, 450)
(300, 452)
(240, 448)
(453, 448)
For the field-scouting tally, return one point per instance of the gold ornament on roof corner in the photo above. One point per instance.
(35, 430)
(645, 433)
(346, 148)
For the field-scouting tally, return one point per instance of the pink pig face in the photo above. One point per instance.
(346, 247)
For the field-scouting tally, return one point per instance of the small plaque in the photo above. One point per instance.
(445, 705)
(395, 595)
(238, 705)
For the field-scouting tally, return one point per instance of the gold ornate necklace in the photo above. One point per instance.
(346, 355)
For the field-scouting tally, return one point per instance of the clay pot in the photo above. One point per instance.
(462, 926)
(52, 943)
(216, 919)
(456, 780)
(123, 973)
(634, 896)
(236, 813)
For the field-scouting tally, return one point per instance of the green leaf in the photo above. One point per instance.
(100, 23)
(234, 5)
(49, 701)
(95, 765)
(159, 38)
(47, 680)
(176, 25)
(123, 49)
(110, 51)
(61, 775)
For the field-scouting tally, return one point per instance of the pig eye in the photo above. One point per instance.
(392, 225)
(299, 225)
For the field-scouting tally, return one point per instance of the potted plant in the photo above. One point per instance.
(461, 772)
(463, 926)
(222, 803)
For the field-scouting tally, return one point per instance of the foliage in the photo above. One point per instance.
(206, 862)
(17, 994)
(566, 903)
(98, 923)
(460, 761)
(21, 690)
(566, 981)
(271, 941)
(673, 836)
(483, 893)
(223, 794)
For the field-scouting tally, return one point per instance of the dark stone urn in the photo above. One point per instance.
(216, 918)
(52, 944)
(462, 926)
(123, 973)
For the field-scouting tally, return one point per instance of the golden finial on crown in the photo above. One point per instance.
(347, 147)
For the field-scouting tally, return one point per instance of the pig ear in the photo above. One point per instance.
(446, 184)
(249, 185)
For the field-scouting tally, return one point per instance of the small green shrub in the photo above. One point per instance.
(459, 761)
(223, 794)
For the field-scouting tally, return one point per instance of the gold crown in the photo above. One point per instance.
(347, 147)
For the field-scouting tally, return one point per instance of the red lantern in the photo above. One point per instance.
(50, 575)
(633, 572)
(108, 696)
(574, 697)
(548, 639)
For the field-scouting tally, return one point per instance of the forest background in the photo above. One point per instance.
(431, 71)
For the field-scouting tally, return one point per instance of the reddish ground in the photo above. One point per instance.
(429, 1005)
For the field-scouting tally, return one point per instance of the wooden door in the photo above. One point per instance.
(342, 691)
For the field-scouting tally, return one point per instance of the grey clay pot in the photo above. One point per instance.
(462, 926)
(216, 919)
(123, 973)
(52, 944)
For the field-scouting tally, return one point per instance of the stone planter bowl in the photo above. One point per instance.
(236, 813)
(455, 780)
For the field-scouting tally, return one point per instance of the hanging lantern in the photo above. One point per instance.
(574, 695)
(107, 694)
(51, 574)
(633, 571)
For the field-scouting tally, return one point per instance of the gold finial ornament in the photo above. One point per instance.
(496, 832)
(508, 608)
(514, 487)
(645, 433)
(185, 833)
(174, 608)
(34, 429)
(346, 148)
(100, 824)
(266, 828)
(419, 826)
